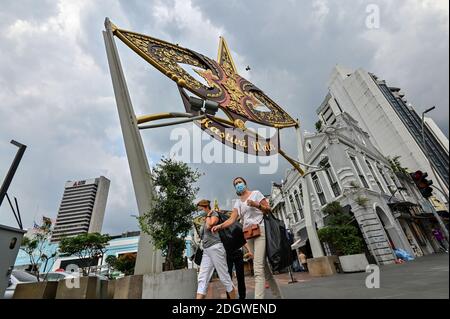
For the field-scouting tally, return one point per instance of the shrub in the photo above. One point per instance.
(339, 233)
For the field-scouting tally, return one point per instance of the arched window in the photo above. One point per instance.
(291, 200)
(299, 204)
(318, 188)
(375, 177)
(332, 180)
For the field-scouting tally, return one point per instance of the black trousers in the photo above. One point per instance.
(236, 259)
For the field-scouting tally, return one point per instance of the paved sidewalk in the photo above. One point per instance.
(425, 277)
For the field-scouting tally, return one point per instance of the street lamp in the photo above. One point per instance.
(199, 110)
(423, 125)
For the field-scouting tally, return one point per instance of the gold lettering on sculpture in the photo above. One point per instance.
(238, 139)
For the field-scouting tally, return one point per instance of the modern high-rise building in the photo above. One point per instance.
(394, 126)
(82, 208)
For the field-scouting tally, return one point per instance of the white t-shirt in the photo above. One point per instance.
(250, 215)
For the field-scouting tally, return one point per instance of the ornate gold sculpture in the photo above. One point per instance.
(236, 96)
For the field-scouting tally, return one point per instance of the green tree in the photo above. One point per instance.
(125, 263)
(37, 247)
(170, 218)
(86, 247)
(339, 232)
(318, 125)
(397, 166)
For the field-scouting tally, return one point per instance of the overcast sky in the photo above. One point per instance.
(56, 94)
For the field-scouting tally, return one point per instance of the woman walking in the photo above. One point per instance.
(251, 208)
(214, 255)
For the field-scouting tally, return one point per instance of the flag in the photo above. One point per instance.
(46, 220)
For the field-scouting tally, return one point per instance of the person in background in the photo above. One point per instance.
(303, 260)
(236, 260)
(214, 255)
(440, 239)
(251, 208)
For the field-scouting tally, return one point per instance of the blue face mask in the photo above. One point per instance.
(240, 188)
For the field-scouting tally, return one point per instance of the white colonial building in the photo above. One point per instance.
(360, 178)
(394, 127)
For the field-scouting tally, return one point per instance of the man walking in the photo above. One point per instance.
(303, 260)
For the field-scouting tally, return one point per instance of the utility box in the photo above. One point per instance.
(10, 240)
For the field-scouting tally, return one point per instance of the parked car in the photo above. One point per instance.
(99, 276)
(18, 277)
(59, 275)
(56, 275)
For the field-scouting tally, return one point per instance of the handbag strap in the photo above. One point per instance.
(200, 245)
(240, 214)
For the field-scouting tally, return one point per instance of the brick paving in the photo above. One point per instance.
(425, 277)
(217, 291)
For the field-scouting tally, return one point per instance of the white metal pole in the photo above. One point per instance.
(148, 257)
(310, 224)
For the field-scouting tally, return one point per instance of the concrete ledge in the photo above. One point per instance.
(322, 266)
(129, 287)
(89, 288)
(176, 284)
(36, 290)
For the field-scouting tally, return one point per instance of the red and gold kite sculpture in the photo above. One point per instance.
(238, 98)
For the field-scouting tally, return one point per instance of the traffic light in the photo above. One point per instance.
(422, 183)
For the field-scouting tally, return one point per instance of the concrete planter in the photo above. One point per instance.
(89, 288)
(36, 290)
(353, 263)
(176, 284)
(128, 287)
(107, 289)
(322, 266)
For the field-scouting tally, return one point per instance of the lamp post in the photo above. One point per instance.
(436, 215)
(423, 127)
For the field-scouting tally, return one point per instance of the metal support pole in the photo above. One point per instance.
(293, 280)
(310, 224)
(148, 257)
